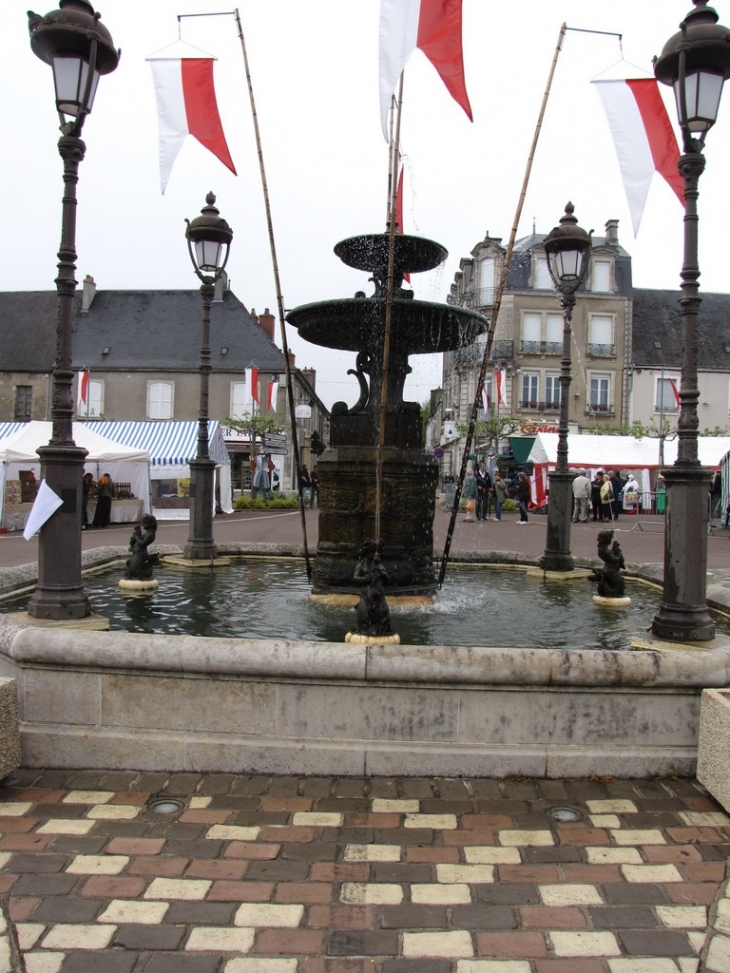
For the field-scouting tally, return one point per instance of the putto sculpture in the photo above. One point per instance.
(141, 562)
(611, 587)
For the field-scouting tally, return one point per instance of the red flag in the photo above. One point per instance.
(273, 389)
(434, 26)
(252, 380)
(501, 394)
(83, 396)
(673, 386)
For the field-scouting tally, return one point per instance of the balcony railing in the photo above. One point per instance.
(473, 354)
(503, 350)
(594, 409)
(541, 347)
(480, 297)
(530, 405)
(602, 351)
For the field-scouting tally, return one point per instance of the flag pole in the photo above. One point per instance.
(279, 297)
(497, 304)
(389, 289)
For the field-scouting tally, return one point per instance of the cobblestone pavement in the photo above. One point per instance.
(317, 875)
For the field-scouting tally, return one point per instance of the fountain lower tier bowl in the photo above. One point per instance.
(358, 324)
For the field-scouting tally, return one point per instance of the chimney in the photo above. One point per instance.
(292, 359)
(221, 286)
(267, 323)
(310, 375)
(88, 293)
(612, 233)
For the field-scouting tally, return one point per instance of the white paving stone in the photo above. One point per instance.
(722, 917)
(98, 864)
(493, 966)
(441, 894)
(491, 855)
(371, 893)
(446, 945)
(372, 853)
(604, 821)
(28, 934)
(638, 836)
(6, 960)
(682, 916)
(718, 955)
(585, 943)
(190, 889)
(526, 839)
(250, 964)
(696, 940)
(704, 819)
(383, 806)
(601, 855)
(43, 962)
(220, 938)
(630, 964)
(127, 910)
(113, 812)
(232, 832)
(5, 857)
(570, 894)
(266, 915)
(14, 809)
(78, 936)
(688, 964)
(612, 807)
(465, 874)
(440, 822)
(65, 826)
(196, 803)
(651, 873)
(318, 819)
(88, 797)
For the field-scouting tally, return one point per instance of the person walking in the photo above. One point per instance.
(470, 494)
(607, 498)
(596, 484)
(260, 480)
(88, 487)
(581, 497)
(484, 485)
(314, 488)
(305, 482)
(104, 497)
(500, 491)
(523, 496)
(617, 485)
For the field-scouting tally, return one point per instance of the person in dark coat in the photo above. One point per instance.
(104, 497)
(596, 484)
(484, 485)
(523, 496)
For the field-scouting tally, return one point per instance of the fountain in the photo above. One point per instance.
(347, 469)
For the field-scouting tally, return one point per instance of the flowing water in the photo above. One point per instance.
(270, 599)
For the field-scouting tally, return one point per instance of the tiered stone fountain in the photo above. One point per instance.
(347, 471)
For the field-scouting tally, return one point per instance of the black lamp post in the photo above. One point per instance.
(209, 242)
(79, 50)
(696, 62)
(568, 249)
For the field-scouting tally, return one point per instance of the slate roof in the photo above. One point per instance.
(159, 330)
(520, 266)
(657, 320)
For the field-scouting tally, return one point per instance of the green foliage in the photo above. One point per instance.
(488, 431)
(639, 430)
(275, 502)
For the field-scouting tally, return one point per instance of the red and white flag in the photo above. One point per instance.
(186, 105)
(501, 376)
(82, 401)
(273, 391)
(485, 397)
(433, 26)
(675, 390)
(252, 380)
(644, 139)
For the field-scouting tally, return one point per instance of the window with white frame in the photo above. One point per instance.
(542, 333)
(96, 397)
(543, 280)
(485, 292)
(601, 276)
(531, 332)
(600, 336)
(160, 400)
(552, 391)
(599, 393)
(666, 394)
(239, 400)
(530, 390)
(554, 331)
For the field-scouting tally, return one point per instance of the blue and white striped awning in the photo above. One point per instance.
(10, 428)
(168, 443)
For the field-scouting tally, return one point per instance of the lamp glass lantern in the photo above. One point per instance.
(209, 241)
(568, 249)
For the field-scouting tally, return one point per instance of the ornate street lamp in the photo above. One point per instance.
(209, 242)
(568, 249)
(79, 50)
(696, 62)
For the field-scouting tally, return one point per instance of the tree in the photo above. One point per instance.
(489, 431)
(256, 425)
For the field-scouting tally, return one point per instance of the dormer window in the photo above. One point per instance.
(543, 281)
(601, 276)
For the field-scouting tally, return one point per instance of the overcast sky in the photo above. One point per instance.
(314, 69)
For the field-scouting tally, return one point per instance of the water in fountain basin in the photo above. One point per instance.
(271, 599)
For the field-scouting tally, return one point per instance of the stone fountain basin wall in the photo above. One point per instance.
(175, 703)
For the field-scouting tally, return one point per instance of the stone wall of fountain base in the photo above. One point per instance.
(116, 700)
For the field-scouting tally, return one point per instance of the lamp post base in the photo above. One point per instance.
(200, 545)
(683, 615)
(557, 556)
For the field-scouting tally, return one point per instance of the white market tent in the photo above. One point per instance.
(19, 443)
(171, 445)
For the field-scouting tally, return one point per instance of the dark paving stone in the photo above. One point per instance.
(67, 909)
(151, 782)
(661, 805)
(233, 802)
(359, 805)
(453, 806)
(41, 884)
(589, 790)
(560, 853)
(714, 853)
(416, 966)
(415, 788)
(180, 784)
(499, 894)
(519, 789)
(350, 787)
(201, 913)
(414, 917)
(65, 811)
(260, 819)
(193, 849)
(188, 831)
(91, 962)
(452, 789)
(23, 777)
(404, 836)
(627, 893)
(122, 829)
(277, 871)
(401, 872)
(87, 780)
(308, 851)
(553, 790)
(316, 786)
(79, 844)
(22, 863)
(357, 942)
(653, 820)
(177, 963)
(350, 836)
(477, 917)
(502, 805)
(120, 780)
(663, 942)
(54, 779)
(251, 785)
(284, 787)
(623, 917)
(485, 788)
(211, 784)
(142, 937)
